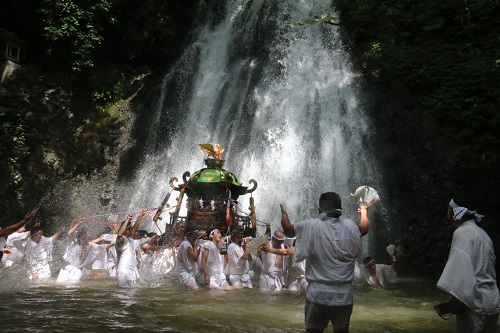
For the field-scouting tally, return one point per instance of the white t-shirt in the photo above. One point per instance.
(236, 265)
(214, 263)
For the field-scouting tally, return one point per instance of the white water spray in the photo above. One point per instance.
(283, 100)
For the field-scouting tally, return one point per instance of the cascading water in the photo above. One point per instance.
(283, 100)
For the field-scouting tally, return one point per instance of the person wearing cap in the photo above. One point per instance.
(212, 262)
(187, 258)
(271, 278)
(378, 275)
(469, 274)
(330, 245)
(238, 260)
(38, 252)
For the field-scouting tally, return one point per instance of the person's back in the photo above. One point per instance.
(331, 246)
(476, 268)
(469, 275)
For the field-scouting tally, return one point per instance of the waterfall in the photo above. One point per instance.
(282, 100)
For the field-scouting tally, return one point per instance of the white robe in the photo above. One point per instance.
(76, 260)
(164, 261)
(469, 274)
(295, 275)
(15, 255)
(214, 264)
(188, 269)
(385, 274)
(127, 270)
(237, 267)
(38, 257)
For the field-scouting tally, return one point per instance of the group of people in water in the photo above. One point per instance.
(205, 258)
(316, 257)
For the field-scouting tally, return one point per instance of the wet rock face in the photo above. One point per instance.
(421, 173)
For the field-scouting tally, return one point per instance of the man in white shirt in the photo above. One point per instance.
(238, 260)
(212, 262)
(187, 258)
(330, 246)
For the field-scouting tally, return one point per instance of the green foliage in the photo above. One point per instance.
(13, 134)
(447, 54)
(73, 29)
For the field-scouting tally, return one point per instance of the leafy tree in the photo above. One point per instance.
(13, 131)
(73, 29)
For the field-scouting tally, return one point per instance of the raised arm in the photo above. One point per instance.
(121, 231)
(364, 222)
(16, 226)
(57, 234)
(192, 251)
(246, 255)
(75, 226)
(287, 226)
(123, 226)
(138, 220)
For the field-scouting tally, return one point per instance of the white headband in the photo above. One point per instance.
(459, 212)
(36, 233)
(280, 239)
(211, 233)
(370, 262)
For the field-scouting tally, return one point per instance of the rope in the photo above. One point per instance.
(94, 219)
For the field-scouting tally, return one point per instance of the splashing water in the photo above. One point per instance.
(282, 100)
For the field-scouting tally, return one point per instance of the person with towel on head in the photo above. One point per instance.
(187, 258)
(293, 272)
(469, 274)
(271, 278)
(330, 245)
(378, 275)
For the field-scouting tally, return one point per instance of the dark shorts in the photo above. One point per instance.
(317, 316)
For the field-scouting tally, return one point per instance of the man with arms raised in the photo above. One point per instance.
(330, 245)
